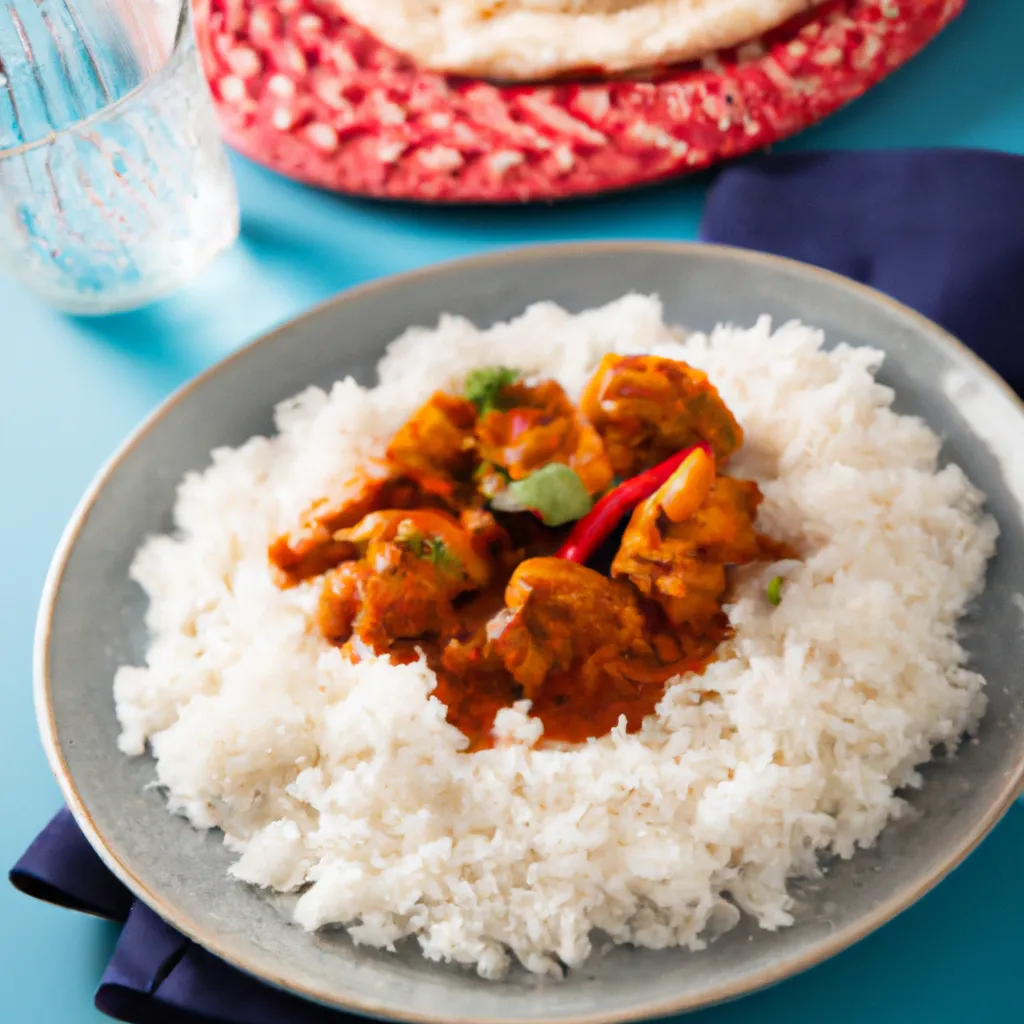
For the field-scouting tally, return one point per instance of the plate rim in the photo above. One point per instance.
(1012, 787)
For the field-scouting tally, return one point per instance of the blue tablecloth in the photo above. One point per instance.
(74, 388)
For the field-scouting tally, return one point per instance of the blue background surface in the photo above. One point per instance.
(74, 388)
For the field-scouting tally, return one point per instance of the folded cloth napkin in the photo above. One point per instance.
(941, 230)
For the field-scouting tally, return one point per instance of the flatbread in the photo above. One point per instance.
(517, 40)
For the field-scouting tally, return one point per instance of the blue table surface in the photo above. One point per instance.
(76, 387)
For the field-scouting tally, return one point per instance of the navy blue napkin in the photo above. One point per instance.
(941, 230)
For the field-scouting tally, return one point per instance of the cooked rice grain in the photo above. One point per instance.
(345, 780)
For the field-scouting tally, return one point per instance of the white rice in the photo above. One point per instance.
(346, 781)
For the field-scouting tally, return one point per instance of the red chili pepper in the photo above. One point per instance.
(599, 523)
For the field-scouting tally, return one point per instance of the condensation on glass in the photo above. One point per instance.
(114, 186)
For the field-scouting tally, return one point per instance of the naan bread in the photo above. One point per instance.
(532, 39)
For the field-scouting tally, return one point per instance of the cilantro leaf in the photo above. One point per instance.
(484, 386)
(554, 493)
(435, 550)
(430, 549)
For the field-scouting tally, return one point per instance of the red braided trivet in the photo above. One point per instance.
(313, 96)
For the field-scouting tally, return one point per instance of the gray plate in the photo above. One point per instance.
(91, 621)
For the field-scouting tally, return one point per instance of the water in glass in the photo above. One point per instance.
(114, 186)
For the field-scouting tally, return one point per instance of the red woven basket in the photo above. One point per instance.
(315, 97)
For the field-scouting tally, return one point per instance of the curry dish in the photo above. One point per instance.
(489, 539)
(508, 691)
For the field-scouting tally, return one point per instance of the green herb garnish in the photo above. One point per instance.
(774, 591)
(430, 549)
(435, 551)
(484, 386)
(554, 493)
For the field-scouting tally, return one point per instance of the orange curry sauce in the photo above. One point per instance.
(416, 559)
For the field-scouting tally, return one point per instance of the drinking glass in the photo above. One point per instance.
(114, 185)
